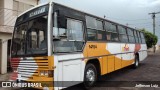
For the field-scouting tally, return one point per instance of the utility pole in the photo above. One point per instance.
(153, 17)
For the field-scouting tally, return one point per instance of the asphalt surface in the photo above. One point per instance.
(148, 70)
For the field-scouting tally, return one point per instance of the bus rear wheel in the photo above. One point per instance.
(136, 62)
(90, 76)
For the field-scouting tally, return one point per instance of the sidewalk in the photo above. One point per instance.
(5, 77)
(152, 53)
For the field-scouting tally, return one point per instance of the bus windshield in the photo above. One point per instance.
(30, 38)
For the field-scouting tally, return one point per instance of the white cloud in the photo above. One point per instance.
(147, 3)
(155, 3)
(120, 11)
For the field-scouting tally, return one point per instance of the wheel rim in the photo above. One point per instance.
(90, 75)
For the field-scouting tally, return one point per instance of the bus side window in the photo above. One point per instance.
(91, 22)
(131, 35)
(91, 28)
(142, 38)
(75, 29)
(100, 30)
(95, 29)
(111, 30)
(123, 34)
(92, 35)
(139, 38)
(136, 36)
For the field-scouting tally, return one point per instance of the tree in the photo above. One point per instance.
(150, 38)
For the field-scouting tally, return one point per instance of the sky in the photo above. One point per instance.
(134, 13)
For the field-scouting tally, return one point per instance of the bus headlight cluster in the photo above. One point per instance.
(48, 73)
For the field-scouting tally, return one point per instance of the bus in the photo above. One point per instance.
(58, 44)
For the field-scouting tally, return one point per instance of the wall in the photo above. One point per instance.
(9, 14)
(9, 3)
(1, 11)
(1, 3)
(7, 20)
(0, 54)
(31, 2)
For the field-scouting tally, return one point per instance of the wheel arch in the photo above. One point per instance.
(96, 63)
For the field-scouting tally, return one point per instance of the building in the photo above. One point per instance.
(9, 10)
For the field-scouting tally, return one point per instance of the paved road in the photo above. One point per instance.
(149, 70)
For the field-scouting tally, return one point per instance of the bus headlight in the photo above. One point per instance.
(41, 73)
(48, 73)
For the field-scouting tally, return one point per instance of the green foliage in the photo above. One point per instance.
(151, 39)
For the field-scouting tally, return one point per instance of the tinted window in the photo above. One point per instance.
(75, 29)
(71, 39)
(130, 32)
(142, 37)
(110, 27)
(139, 38)
(95, 29)
(123, 34)
(91, 22)
(130, 35)
(112, 36)
(92, 35)
(136, 36)
(99, 25)
(101, 35)
(131, 39)
(123, 38)
(94, 23)
(143, 41)
(122, 30)
(135, 33)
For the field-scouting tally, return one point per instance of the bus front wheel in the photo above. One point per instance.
(90, 75)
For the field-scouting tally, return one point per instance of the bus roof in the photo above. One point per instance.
(75, 10)
(93, 15)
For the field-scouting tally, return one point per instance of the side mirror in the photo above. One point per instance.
(61, 19)
(62, 22)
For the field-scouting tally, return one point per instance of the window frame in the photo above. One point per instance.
(113, 24)
(111, 31)
(125, 28)
(129, 31)
(83, 29)
(136, 36)
(142, 38)
(97, 25)
(139, 37)
(96, 30)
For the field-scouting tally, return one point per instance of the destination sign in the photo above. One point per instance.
(33, 13)
(37, 11)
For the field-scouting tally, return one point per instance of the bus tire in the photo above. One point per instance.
(136, 62)
(90, 76)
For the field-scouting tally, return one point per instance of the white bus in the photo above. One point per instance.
(58, 44)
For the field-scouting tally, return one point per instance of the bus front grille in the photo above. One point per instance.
(28, 68)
